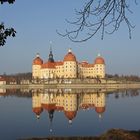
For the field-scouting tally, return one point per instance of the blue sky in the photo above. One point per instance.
(36, 23)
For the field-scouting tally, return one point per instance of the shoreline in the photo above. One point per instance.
(75, 86)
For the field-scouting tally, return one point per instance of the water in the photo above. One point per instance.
(42, 113)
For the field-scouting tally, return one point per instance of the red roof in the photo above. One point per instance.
(58, 63)
(2, 79)
(49, 65)
(69, 57)
(59, 108)
(99, 60)
(49, 106)
(37, 61)
(37, 110)
(100, 109)
(70, 114)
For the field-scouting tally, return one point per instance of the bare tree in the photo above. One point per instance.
(99, 15)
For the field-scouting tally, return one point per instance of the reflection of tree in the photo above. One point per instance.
(116, 95)
(134, 93)
(18, 93)
(128, 93)
(98, 80)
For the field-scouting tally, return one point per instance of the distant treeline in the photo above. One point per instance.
(17, 77)
(28, 76)
(123, 77)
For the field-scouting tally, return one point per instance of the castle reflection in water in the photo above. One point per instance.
(67, 101)
(67, 112)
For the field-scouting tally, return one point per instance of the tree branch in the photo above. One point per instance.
(96, 16)
(4, 33)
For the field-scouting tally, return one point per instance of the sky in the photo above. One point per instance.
(36, 23)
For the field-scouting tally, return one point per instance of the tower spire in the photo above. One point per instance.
(50, 46)
(37, 55)
(51, 112)
(69, 51)
(51, 54)
(99, 55)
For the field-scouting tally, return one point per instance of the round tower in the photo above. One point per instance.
(70, 106)
(99, 66)
(100, 104)
(36, 104)
(36, 67)
(70, 65)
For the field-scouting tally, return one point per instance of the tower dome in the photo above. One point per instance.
(37, 111)
(37, 60)
(70, 115)
(99, 60)
(69, 56)
(100, 109)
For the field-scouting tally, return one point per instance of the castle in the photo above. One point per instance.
(68, 68)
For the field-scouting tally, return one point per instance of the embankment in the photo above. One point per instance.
(72, 85)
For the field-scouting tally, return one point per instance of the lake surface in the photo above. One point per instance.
(67, 112)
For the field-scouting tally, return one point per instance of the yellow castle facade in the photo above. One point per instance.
(68, 68)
